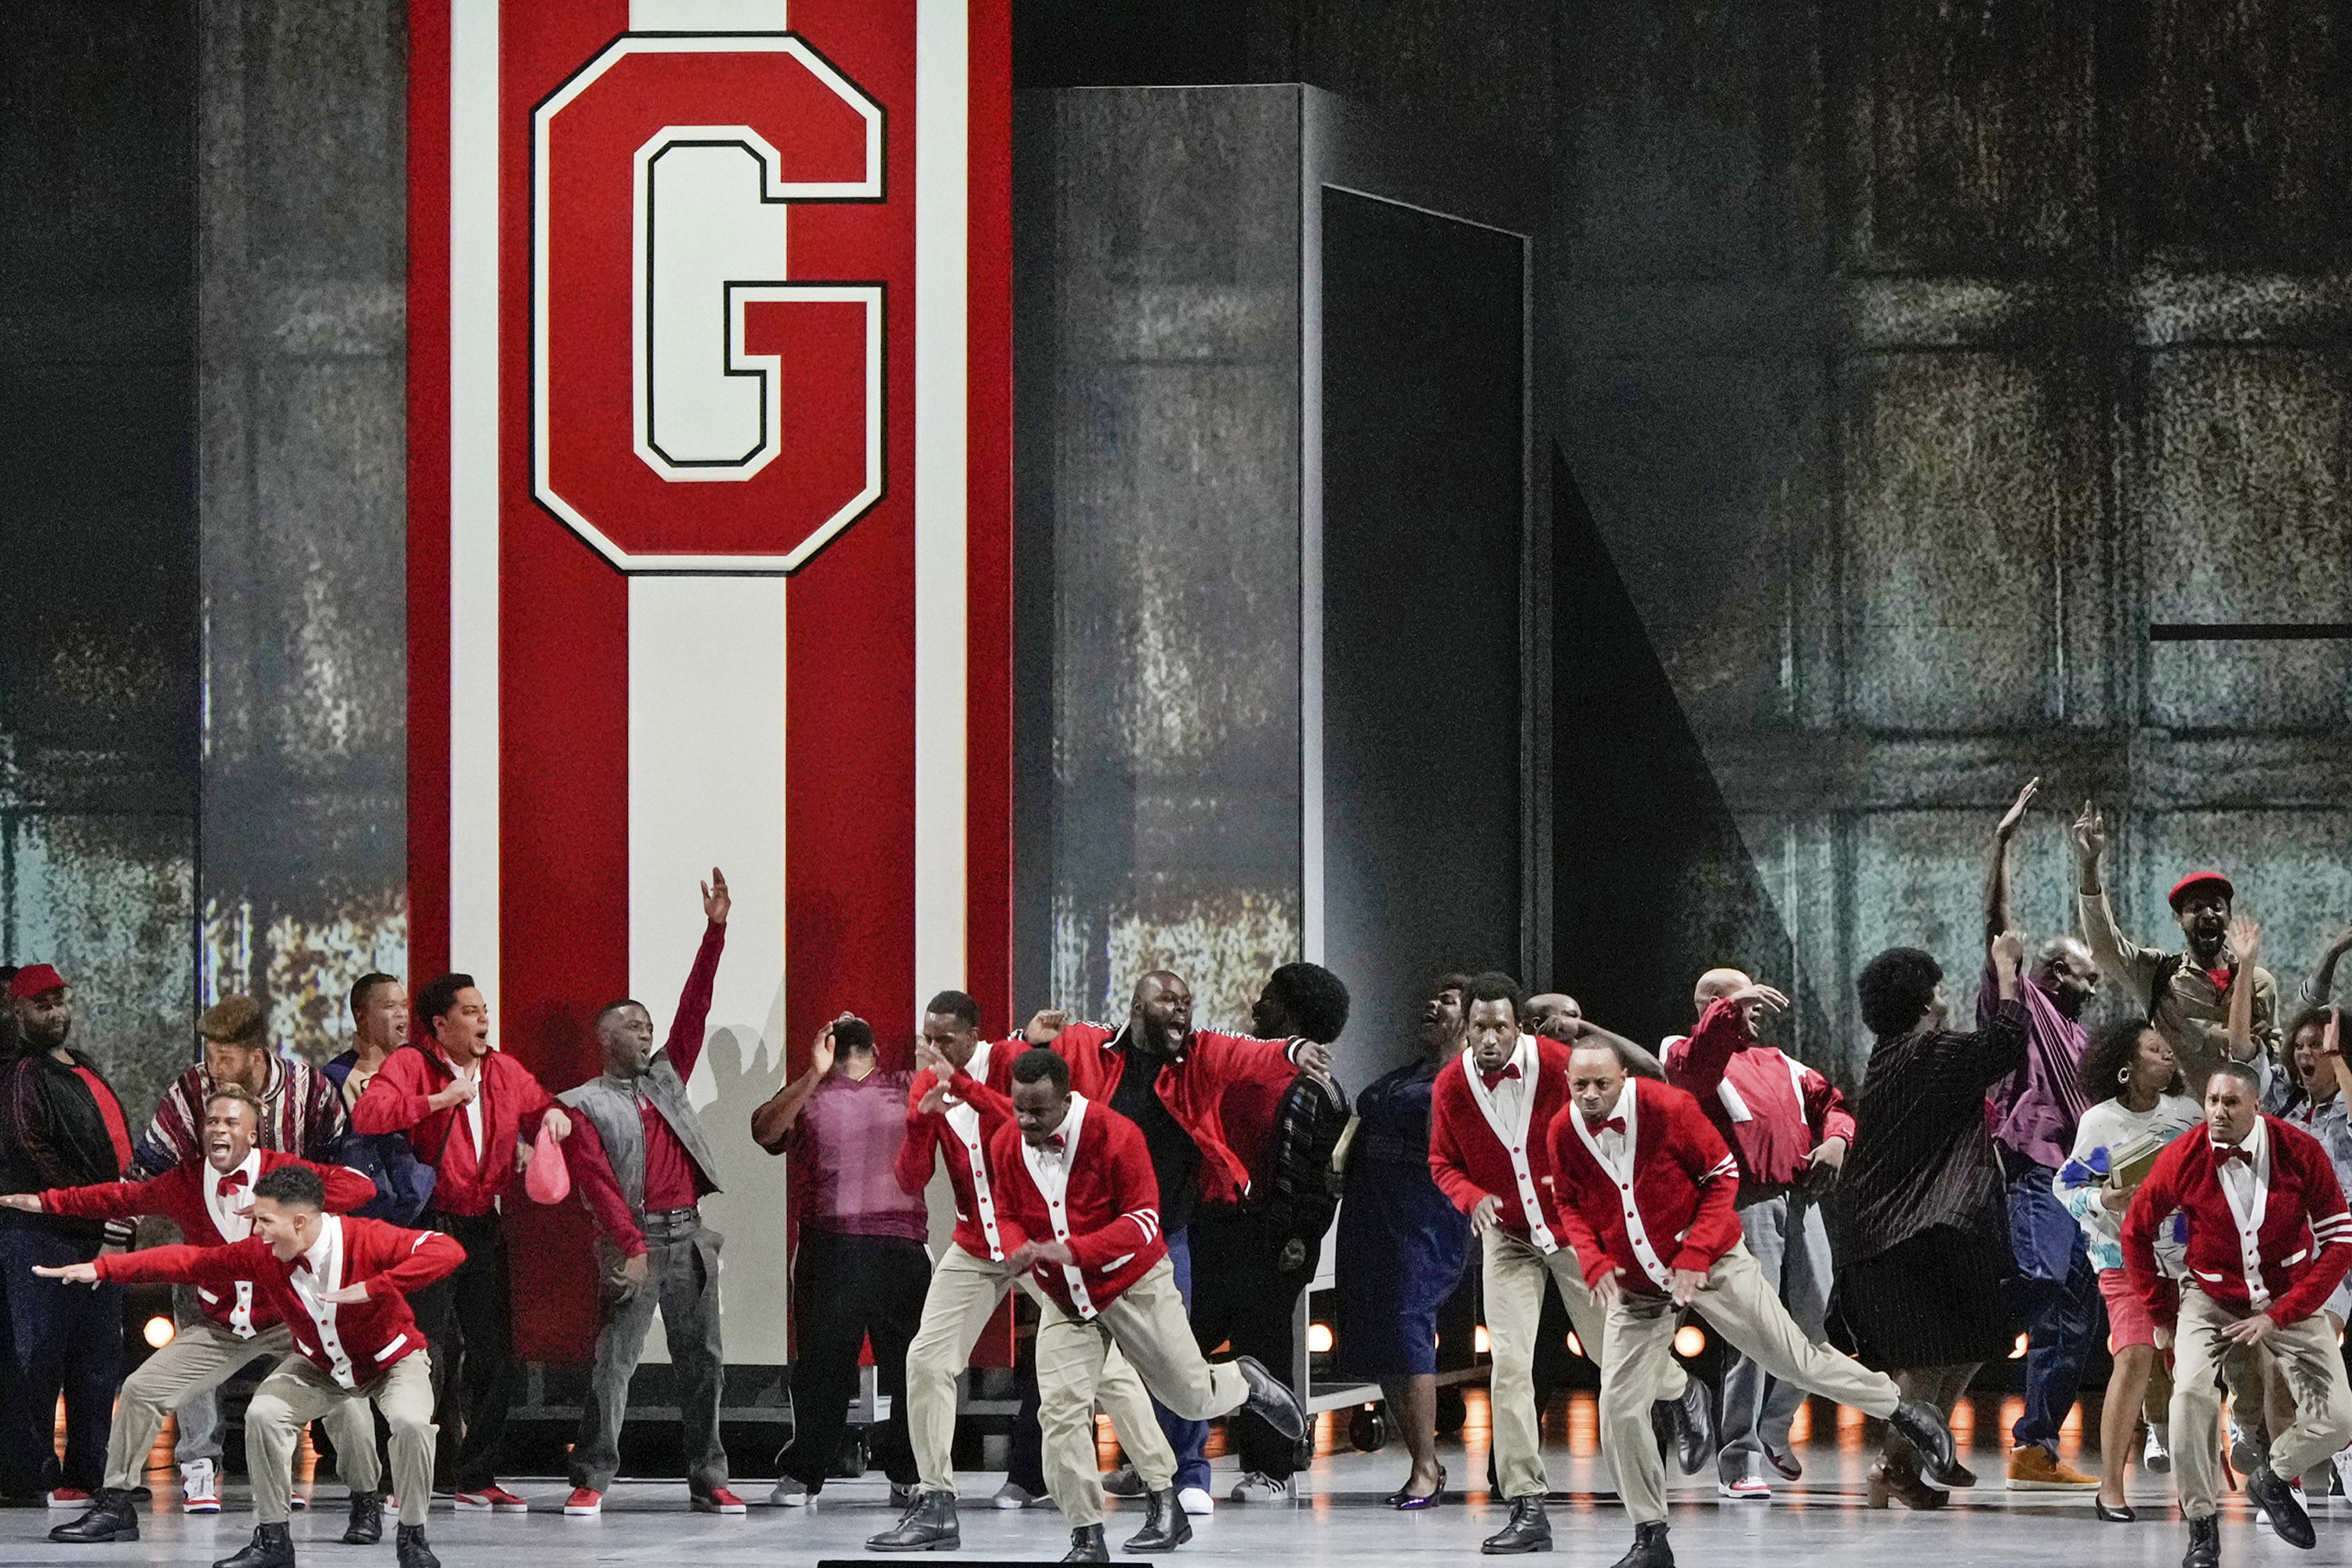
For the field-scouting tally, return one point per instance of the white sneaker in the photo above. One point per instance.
(790, 1493)
(2158, 1459)
(1258, 1486)
(1009, 1495)
(1746, 1489)
(200, 1488)
(2343, 1463)
(1196, 1500)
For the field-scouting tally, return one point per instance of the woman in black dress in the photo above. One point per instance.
(1402, 1246)
(1920, 1286)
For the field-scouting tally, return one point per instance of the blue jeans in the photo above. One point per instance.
(2059, 1291)
(60, 1339)
(1189, 1439)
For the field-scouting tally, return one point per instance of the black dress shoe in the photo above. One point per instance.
(272, 1547)
(927, 1525)
(1922, 1424)
(112, 1517)
(2275, 1497)
(1271, 1401)
(1686, 1425)
(409, 1549)
(366, 1526)
(2204, 1542)
(2113, 1515)
(1650, 1548)
(1529, 1530)
(1165, 1527)
(1087, 1545)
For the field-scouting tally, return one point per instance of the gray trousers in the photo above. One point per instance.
(1792, 1245)
(682, 1278)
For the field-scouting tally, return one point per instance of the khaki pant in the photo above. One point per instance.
(1147, 1325)
(2306, 1356)
(963, 1296)
(298, 1392)
(1741, 1304)
(200, 1358)
(1515, 1270)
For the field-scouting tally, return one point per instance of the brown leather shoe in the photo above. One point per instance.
(2034, 1468)
(1895, 1483)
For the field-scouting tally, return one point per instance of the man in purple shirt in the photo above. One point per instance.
(2034, 1112)
(860, 1270)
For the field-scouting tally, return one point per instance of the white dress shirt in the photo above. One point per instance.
(232, 1217)
(1050, 1169)
(2247, 1185)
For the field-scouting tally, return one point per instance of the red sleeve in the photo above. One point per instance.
(1696, 1065)
(1715, 1229)
(1233, 1059)
(995, 1106)
(2158, 1196)
(396, 1097)
(536, 1101)
(916, 1159)
(690, 1027)
(1569, 1166)
(221, 1266)
(427, 1256)
(1447, 1166)
(2331, 1230)
(116, 1200)
(1825, 1109)
(599, 1189)
(1135, 1190)
(347, 1190)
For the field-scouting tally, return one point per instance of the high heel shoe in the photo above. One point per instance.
(1407, 1500)
(2123, 1515)
(1886, 1484)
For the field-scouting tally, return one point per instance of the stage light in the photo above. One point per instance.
(1689, 1340)
(2018, 1353)
(1318, 1338)
(1480, 1342)
(1575, 1345)
(159, 1333)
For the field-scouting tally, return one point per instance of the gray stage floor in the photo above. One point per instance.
(1340, 1522)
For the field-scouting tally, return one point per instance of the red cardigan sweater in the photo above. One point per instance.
(178, 1195)
(2302, 1244)
(978, 1228)
(1469, 1161)
(1681, 1210)
(355, 1344)
(1193, 1086)
(513, 1104)
(1109, 1213)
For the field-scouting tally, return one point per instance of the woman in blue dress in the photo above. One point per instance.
(1402, 1246)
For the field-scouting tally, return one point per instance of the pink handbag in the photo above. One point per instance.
(548, 1179)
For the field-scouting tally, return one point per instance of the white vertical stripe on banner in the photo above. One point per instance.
(942, 228)
(474, 494)
(707, 787)
(706, 16)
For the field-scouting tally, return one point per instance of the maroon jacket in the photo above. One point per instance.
(355, 1344)
(178, 1195)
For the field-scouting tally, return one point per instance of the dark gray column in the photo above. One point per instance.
(301, 249)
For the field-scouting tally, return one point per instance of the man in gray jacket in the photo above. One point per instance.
(642, 1163)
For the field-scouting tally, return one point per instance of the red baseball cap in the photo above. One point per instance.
(2195, 880)
(36, 978)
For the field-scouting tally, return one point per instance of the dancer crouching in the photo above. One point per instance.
(1082, 1208)
(340, 1282)
(1647, 1191)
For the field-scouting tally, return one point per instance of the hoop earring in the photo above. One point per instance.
(2123, 1075)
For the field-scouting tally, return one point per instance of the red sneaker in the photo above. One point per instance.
(492, 1498)
(585, 1502)
(719, 1500)
(68, 1496)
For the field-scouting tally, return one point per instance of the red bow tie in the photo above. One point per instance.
(1614, 1124)
(1509, 1069)
(302, 1262)
(229, 1184)
(1054, 1142)
(2225, 1153)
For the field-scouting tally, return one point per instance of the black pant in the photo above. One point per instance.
(1241, 1298)
(57, 1338)
(847, 1290)
(466, 1321)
